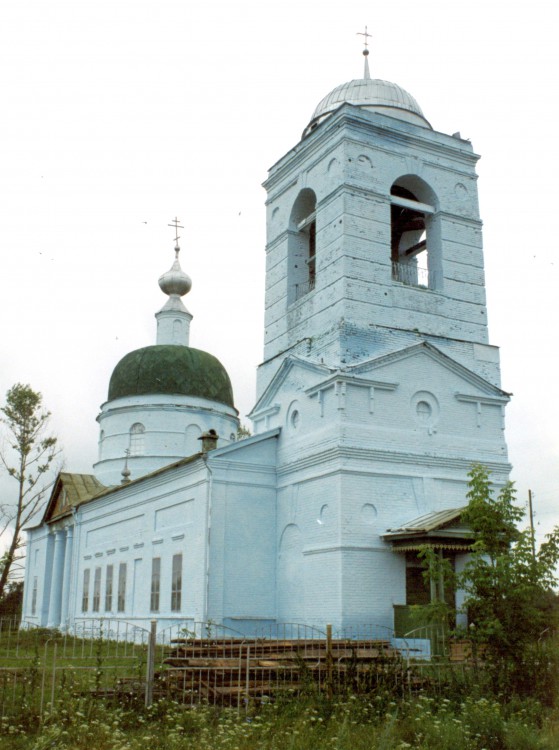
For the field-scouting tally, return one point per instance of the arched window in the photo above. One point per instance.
(191, 440)
(414, 246)
(137, 439)
(177, 331)
(301, 272)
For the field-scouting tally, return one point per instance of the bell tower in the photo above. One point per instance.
(377, 368)
(374, 237)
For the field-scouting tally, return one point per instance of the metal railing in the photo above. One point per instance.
(302, 289)
(101, 658)
(411, 274)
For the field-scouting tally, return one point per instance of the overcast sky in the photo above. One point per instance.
(118, 115)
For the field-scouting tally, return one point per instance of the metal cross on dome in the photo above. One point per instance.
(177, 226)
(366, 35)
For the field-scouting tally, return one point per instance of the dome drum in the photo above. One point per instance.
(156, 430)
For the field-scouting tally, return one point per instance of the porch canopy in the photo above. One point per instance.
(441, 529)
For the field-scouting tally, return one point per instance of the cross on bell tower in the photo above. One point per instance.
(175, 224)
(366, 73)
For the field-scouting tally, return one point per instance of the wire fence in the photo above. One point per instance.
(38, 665)
(197, 662)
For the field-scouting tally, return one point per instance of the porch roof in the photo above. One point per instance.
(441, 529)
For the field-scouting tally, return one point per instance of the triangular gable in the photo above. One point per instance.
(266, 399)
(257, 451)
(68, 492)
(427, 349)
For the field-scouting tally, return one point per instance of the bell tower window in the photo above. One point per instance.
(301, 274)
(413, 250)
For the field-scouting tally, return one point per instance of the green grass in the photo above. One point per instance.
(454, 712)
(38, 663)
(374, 723)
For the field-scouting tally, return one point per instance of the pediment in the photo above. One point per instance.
(68, 492)
(309, 373)
(409, 390)
(426, 364)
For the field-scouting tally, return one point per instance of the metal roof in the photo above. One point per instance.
(171, 369)
(373, 94)
(69, 491)
(440, 529)
(429, 522)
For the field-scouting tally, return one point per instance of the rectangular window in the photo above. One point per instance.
(176, 584)
(109, 589)
(96, 590)
(85, 592)
(155, 584)
(121, 598)
(34, 597)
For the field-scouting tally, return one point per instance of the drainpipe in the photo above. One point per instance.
(209, 442)
(207, 539)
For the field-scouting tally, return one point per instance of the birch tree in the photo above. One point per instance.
(27, 456)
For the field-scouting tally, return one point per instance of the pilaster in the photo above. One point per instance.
(65, 596)
(55, 600)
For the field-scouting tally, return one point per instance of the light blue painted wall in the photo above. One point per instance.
(374, 399)
(172, 426)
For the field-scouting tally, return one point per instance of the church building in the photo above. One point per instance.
(377, 392)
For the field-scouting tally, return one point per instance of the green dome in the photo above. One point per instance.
(171, 369)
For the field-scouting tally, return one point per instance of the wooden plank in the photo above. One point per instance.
(208, 663)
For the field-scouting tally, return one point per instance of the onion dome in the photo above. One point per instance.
(173, 320)
(175, 281)
(171, 369)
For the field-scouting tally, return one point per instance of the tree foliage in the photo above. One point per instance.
(508, 585)
(27, 457)
(508, 581)
(11, 602)
(243, 431)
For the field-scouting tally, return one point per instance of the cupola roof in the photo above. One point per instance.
(175, 282)
(371, 94)
(171, 369)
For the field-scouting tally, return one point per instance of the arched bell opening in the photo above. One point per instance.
(301, 272)
(414, 234)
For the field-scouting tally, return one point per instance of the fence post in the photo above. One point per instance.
(53, 683)
(43, 678)
(247, 679)
(329, 660)
(150, 667)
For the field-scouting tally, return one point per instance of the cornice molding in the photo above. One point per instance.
(348, 378)
(343, 548)
(347, 118)
(344, 454)
(487, 400)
